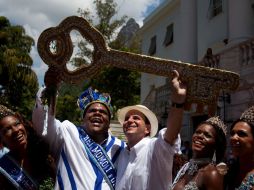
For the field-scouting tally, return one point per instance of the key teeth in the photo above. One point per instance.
(201, 108)
(203, 84)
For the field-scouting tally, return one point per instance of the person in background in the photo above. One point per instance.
(146, 162)
(86, 154)
(26, 165)
(241, 172)
(205, 170)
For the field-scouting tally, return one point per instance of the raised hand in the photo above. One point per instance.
(179, 89)
(204, 83)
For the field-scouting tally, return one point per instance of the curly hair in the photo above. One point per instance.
(38, 153)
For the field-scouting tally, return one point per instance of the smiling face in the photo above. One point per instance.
(135, 126)
(203, 141)
(96, 120)
(13, 133)
(241, 140)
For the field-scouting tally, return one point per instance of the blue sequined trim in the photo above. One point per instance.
(248, 183)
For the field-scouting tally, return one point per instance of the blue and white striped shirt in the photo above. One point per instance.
(74, 168)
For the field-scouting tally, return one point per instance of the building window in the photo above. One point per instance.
(169, 35)
(215, 8)
(152, 48)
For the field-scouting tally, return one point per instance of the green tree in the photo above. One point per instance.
(123, 85)
(67, 108)
(18, 82)
(105, 11)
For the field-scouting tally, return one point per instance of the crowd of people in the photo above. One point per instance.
(89, 157)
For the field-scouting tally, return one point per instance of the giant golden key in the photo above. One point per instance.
(203, 83)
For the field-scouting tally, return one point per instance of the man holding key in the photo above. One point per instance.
(146, 162)
(87, 154)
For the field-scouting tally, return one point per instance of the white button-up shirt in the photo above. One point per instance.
(147, 165)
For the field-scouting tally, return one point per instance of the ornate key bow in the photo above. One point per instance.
(203, 83)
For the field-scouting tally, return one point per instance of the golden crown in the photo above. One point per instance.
(4, 111)
(217, 122)
(248, 115)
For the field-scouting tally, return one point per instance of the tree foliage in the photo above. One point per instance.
(67, 108)
(18, 82)
(105, 12)
(123, 85)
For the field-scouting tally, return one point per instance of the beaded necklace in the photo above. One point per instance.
(195, 163)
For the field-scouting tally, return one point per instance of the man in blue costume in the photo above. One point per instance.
(86, 155)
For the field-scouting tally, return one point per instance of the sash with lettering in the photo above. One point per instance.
(99, 157)
(15, 174)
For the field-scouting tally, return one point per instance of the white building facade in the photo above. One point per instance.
(214, 33)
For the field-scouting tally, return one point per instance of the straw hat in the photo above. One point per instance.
(143, 109)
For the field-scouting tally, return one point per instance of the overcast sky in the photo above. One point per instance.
(37, 15)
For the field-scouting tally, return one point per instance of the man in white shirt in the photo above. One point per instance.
(86, 155)
(146, 162)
